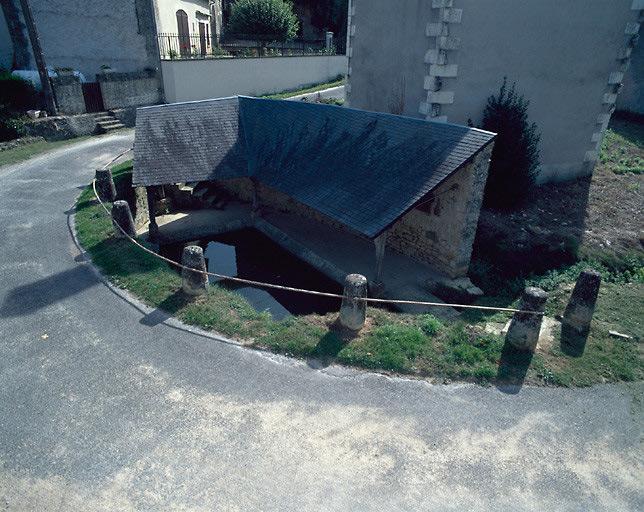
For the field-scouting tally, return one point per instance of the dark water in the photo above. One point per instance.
(249, 254)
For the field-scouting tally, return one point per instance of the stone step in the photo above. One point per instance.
(109, 122)
(102, 118)
(112, 127)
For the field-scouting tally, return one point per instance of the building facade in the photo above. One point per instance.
(85, 35)
(442, 59)
(189, 27)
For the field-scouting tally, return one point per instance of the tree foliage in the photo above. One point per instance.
(515, 158)
(264, 19)
(327, 14)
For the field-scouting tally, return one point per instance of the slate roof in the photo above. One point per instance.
(362, 169)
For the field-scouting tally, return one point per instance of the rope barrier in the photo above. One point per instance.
(299, 290)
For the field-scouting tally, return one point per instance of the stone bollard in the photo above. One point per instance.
(354, 312)
(523, 332)
(105, 185)
(122, 216)
(193, 283)
(578, 315)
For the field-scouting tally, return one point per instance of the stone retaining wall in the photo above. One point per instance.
(69, 94)
(63, 127)
(122, 90)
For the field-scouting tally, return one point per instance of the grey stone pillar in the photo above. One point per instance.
(193, 283)
(328, 40)
(523, 332)
(105, 185)
(578, 315)
(354, 312)
(122, 216)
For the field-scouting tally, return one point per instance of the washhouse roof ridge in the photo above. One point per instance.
(363, 169)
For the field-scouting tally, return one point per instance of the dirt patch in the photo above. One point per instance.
(584, 217)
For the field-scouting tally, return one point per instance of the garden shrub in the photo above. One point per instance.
(12, 125)
(17, 94)
(515, 157)
(266, 19)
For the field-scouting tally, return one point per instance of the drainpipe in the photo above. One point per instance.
(39, 57)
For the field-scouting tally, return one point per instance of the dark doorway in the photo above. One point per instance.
(93, 97)
(184, 33)
(203, 38)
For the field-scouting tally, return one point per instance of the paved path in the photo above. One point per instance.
(117, 410)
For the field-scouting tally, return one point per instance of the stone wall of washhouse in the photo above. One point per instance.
(439, 232)
(442, 59)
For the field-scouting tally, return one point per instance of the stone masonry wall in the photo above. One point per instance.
(69, 94)
(121, 90)
(441, 231)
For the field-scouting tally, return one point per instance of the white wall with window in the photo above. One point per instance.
(197, 23)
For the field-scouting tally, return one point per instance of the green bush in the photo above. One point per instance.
(430, 325)
(515, 158)
(17, 94)
(12, 125)
(266, 19)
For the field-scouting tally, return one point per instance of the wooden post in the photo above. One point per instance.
(39, 57)
(380, 243)
(153, 228)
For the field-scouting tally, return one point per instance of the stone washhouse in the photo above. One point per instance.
(394, 198)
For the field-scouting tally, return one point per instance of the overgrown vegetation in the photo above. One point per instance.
(16, 96)
(515, 157)
(413, 344)
(622, 149)
(263, 20)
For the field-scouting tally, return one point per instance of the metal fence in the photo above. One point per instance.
(196, 46)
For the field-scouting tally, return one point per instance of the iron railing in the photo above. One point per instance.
(195, 46)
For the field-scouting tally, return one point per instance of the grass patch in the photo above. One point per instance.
(622, 149)
(305, 90)
(27, 151)
(419, 345)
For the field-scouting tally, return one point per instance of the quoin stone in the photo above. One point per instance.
(193, 283)
(353, 311)
(580, 309)
(122, 216)
(105, 185)
(523, 332)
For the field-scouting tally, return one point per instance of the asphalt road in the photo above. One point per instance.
(106, 406)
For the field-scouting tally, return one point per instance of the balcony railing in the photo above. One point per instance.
(195, 46)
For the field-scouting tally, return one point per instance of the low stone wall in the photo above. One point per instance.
(121, 90)
(69, 94)
(127, 116)
(62, 127)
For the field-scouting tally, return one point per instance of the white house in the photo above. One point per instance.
(188, 26)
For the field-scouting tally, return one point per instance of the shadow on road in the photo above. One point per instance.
(513, 367)
(29, 298)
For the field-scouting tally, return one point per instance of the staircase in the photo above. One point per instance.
(107, 122)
